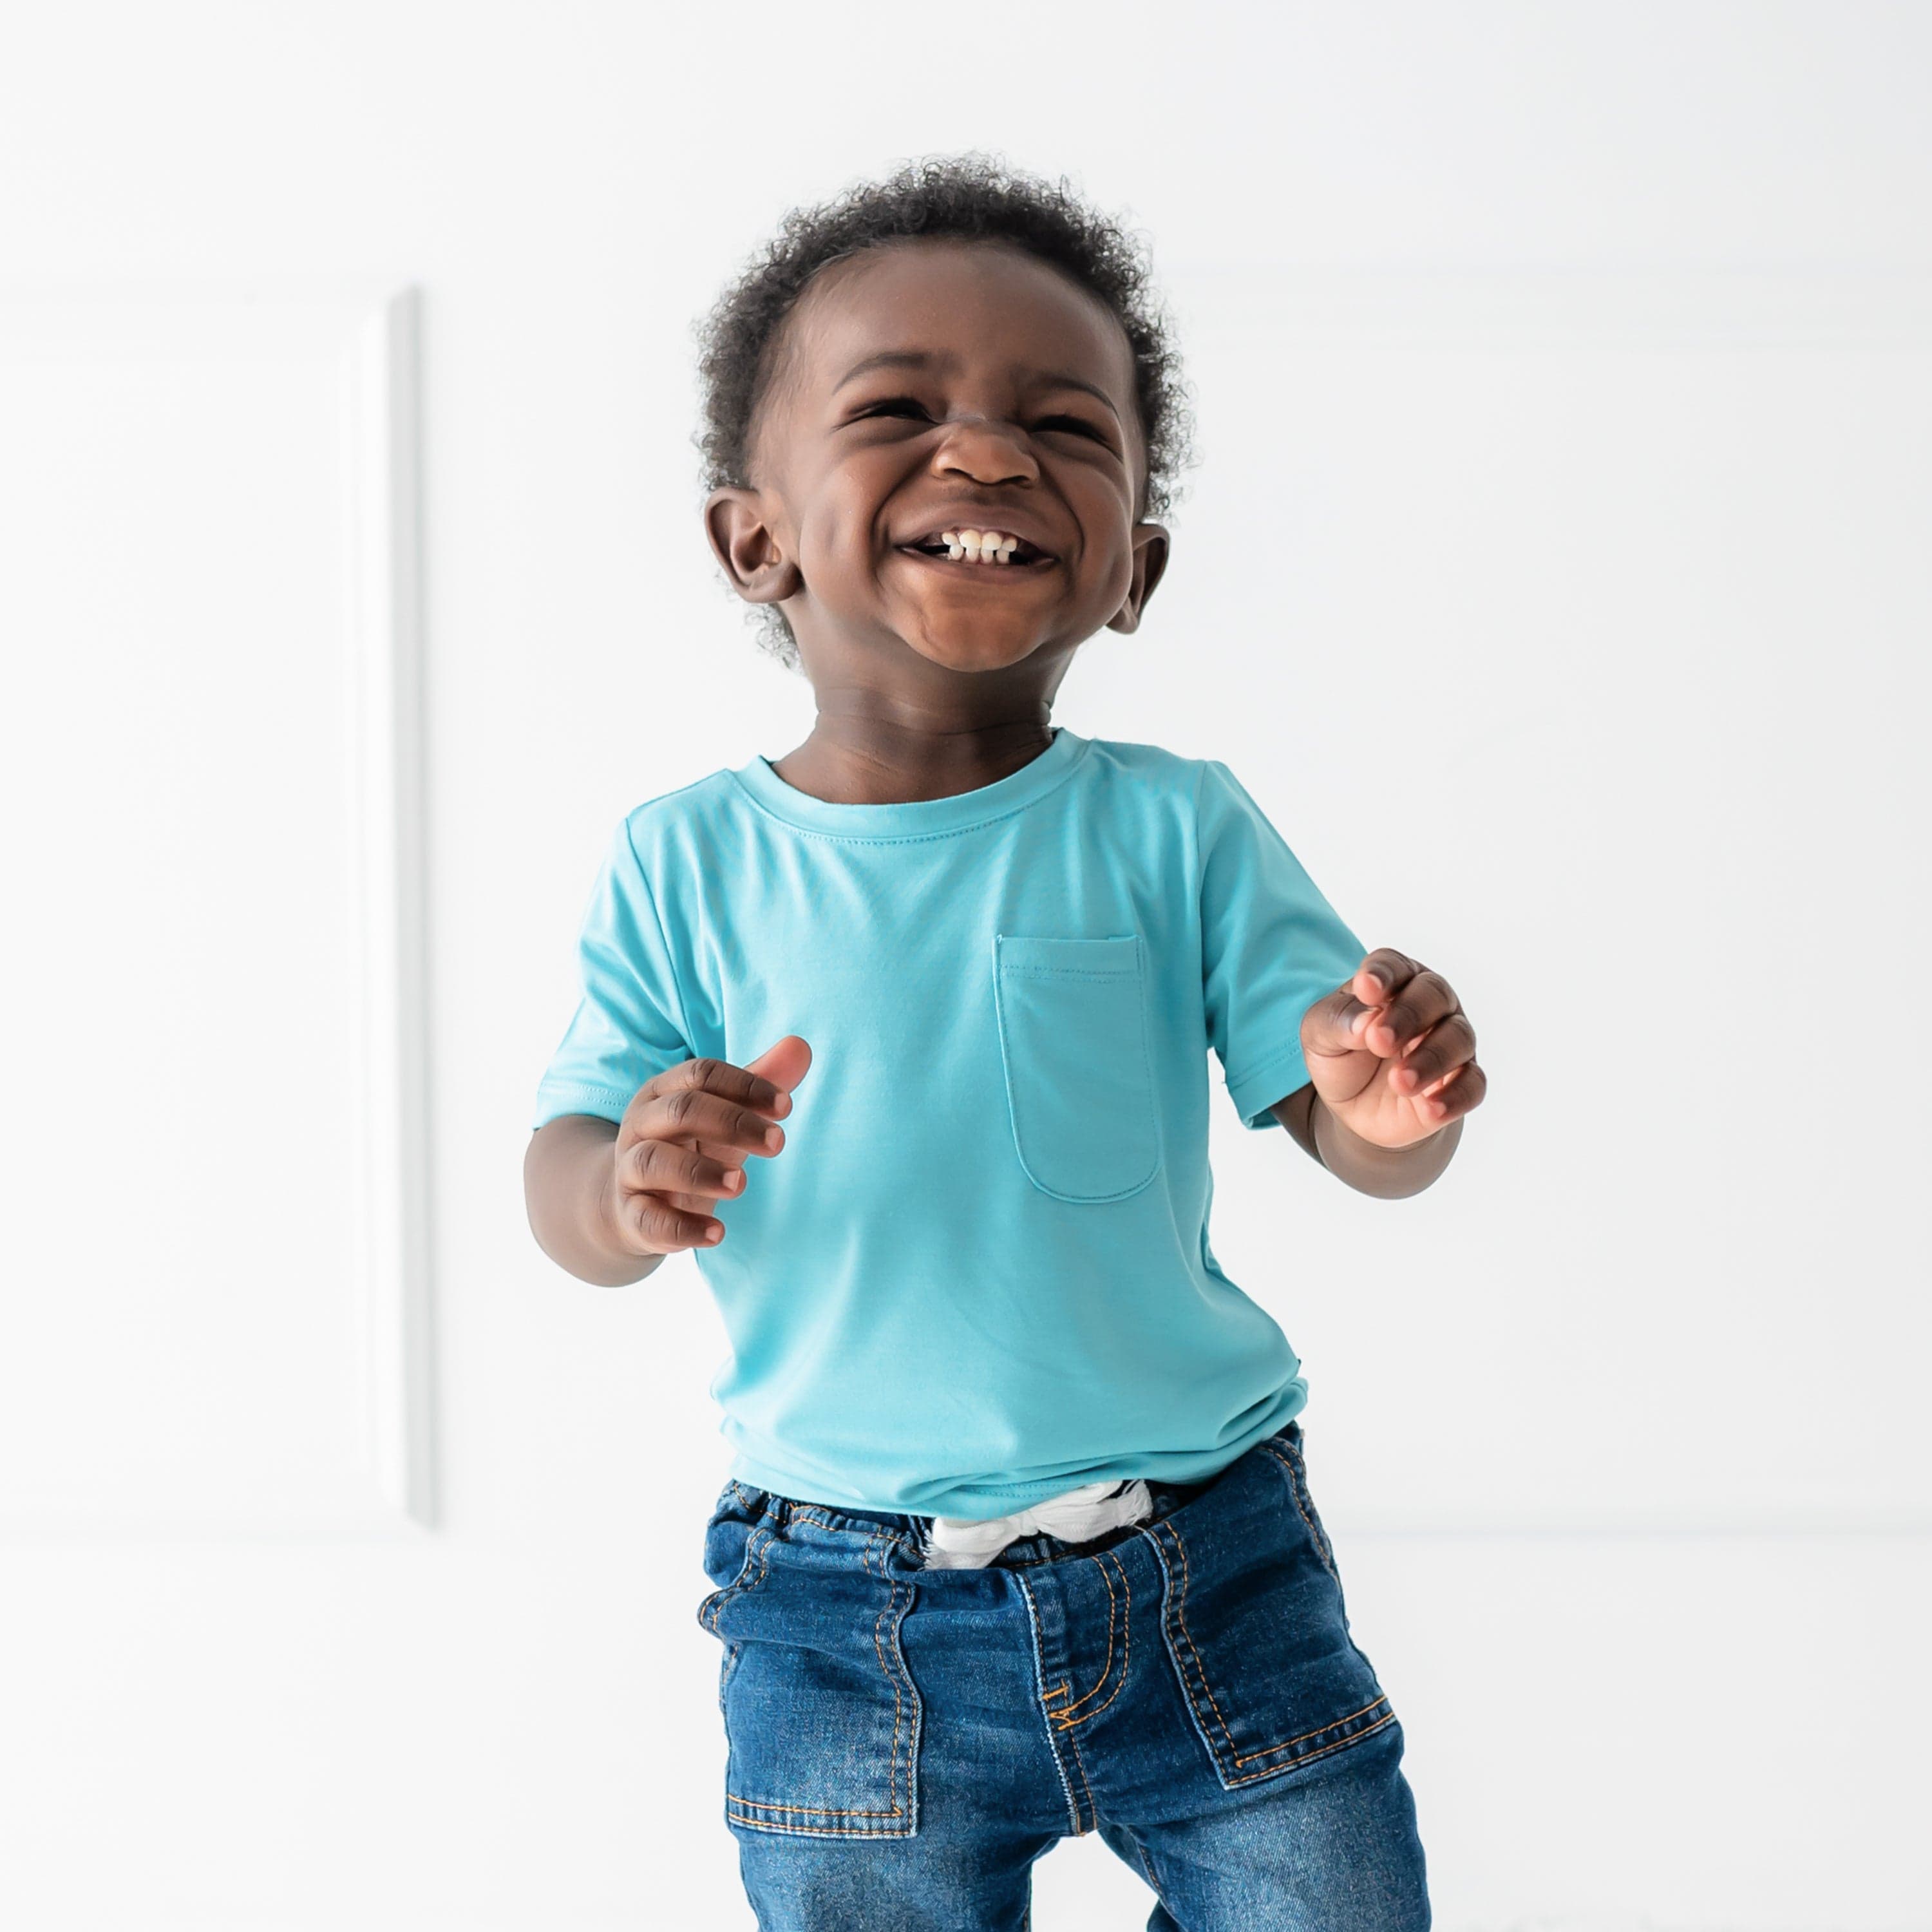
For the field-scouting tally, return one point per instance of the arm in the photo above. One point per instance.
(1386, 1173)
(569, 1171)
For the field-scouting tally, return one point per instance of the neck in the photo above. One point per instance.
(862, 756)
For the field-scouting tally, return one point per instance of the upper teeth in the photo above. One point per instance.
(980, 545)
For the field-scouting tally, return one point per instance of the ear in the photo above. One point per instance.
(1149, 565)
(738, 524)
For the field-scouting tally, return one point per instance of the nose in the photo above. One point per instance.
(985, 450)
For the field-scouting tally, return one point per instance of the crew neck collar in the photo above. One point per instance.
(915, 818)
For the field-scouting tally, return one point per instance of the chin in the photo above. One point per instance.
(967, 648)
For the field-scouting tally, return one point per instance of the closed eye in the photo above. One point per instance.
(1075, 422)
(902, 405)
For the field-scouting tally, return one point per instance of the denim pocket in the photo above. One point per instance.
(1073, 1036)
(731, 1553)
(1255, 1624)
(1285, 1449)
(732, 1547)
(821, 1715)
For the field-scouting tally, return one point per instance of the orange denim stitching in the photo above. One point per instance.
(800, 1512)
(1306, 1503)
(1335, 1725)
(898, 1809)
(878, 1651)
(1066, 1710)
(1061, 1718)
(1321, 1548)
(1181, 1612)
(743, 1581)
(1039, 1665)
(1270, 1751)
(1309, 1757)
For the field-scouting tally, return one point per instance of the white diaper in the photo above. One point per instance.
(1078, 1515)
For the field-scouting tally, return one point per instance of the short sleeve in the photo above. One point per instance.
(628, 1025)
(1271, 946)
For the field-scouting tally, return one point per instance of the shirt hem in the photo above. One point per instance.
(553, 1101)
(981, 1502)
(1255, 1092)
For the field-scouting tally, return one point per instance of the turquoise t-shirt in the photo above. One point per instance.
(978, 1272)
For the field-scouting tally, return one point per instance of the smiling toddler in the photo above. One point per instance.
(1018, 1542)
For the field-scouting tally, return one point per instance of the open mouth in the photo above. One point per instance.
(968, 549)
(968, 564)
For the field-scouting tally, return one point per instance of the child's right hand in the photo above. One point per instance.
(682, 1142)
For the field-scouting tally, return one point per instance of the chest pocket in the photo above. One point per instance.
(1073, 1035)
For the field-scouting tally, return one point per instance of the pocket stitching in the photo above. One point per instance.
(1297, 1478)
(709, 1610)
(1175, 1609)
(1136, 971)
(1064, 1717)
(737, 1806)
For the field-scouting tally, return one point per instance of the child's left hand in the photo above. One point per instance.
(1391, 1052)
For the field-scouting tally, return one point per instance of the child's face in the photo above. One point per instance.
(1009, 405)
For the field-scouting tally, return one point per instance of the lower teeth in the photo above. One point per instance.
(956, 555)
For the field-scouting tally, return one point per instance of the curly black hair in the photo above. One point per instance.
(973, 196)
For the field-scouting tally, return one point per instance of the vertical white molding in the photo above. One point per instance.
(367, 340)
(382, 414)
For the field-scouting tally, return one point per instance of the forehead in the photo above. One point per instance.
(989, 306)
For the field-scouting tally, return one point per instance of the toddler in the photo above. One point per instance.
(1018, 1541)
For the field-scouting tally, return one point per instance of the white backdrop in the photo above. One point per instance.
(1565, 375)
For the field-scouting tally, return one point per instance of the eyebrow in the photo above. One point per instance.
(920, 359)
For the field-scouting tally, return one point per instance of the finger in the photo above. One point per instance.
(1443, 1047)
(1384, 972)
(784, 1063)
(672, 1167)
(726, 1079)
(656, 1228)
(1399, 1024)
(1326, 1028)
(1340, 1024)
(692, 1113)
(1462, 1088)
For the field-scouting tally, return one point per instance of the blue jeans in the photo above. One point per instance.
(905, 1742)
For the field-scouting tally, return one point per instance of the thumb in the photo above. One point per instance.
(1328, 1032)
(784, 1063)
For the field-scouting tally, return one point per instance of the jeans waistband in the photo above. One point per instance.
(1165, 1497)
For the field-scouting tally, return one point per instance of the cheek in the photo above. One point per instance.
(1113, 571)
(1105, 508)
(838, 540)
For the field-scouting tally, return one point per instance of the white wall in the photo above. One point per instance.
(1573, 369)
